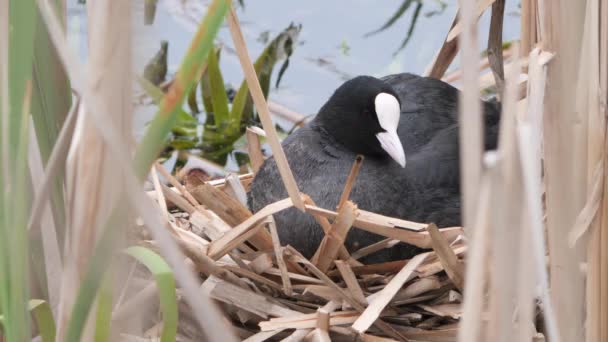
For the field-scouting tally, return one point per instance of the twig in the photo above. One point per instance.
(255, 150)
(176, 184)
(350, 181)
(263, 112)
(452, 266)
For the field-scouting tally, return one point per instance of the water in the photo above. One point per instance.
(332, 44)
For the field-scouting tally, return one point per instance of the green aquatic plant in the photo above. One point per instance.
(405, 6)
(224, 118)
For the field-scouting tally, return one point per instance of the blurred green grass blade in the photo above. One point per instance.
(192, 100)
(104, 310)
(147, 152)
(44, 319)
(51, 100)
(149, 11)
(219, 99)
(97, 267)
(187, 76)
(206, 95)
(157, 95)
(410, 30)
(166, 288)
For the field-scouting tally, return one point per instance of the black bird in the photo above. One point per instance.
(392, 120)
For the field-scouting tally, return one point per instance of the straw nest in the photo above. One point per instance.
(270, 291)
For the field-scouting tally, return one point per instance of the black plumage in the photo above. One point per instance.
(322, 153)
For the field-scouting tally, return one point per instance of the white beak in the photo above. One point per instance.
(392, 145)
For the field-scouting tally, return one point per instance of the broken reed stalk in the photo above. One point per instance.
(495, 56)
(333, 241)
(254, 148)
(263, 112)
(470, 117)
(445, 56)
(168, 176)
(350, 180)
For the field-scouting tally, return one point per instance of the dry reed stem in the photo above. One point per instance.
(470, 325)
(168, 176)
(160, 197)
(254, 147)
(495, 54)
(286, 113)
(452, 266)
(470, 128)
(330, 245)
(237, 235)
(383, 297)
(507, 196)
(445, 56)
(345, 295)
(475, 8)
(351, 281)
(565, 184)
(325, 225)
(279, 253)
(230, 210)
(53, 264)
(603, 219)
(263, 112)
(350, 181)
(56, 159)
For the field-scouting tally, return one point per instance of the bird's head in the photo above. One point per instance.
(363, 115)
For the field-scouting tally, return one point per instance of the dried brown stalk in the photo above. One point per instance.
(263, 112)
(452, 266)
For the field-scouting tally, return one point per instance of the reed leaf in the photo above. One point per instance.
(104, 310)
(219, 99)
(51, 101)
(15, 100)
(166, 288)
(44, 319)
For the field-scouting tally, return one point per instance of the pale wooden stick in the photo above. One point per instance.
(351, 281)
(255, 150)
(453, 267)
(278, 252)
(350, 180)
(470, 326)
(495, 56)
(235, 237)
(444, 57)
(330, 245)
(470, 117)
(376, 306)
(263, 112)
(160, 197)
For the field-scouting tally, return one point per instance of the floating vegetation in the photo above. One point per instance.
(213, 131)
(405, 5)
(156, 69)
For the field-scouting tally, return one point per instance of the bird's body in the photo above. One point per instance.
(426, 190)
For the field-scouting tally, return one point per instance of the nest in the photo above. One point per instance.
(270, 291)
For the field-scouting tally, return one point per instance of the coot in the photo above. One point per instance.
(406, 126)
